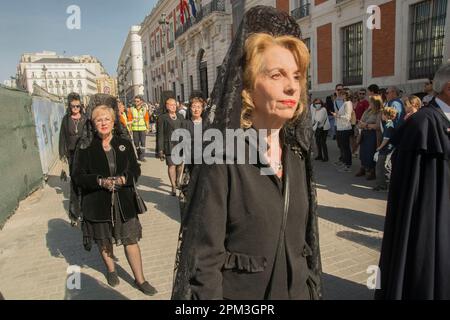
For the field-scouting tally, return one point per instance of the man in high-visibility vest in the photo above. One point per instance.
(139, 119)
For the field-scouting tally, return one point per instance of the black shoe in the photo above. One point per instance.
(112, 278)
(146, 288)
(318, 158)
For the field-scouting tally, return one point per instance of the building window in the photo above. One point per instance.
(427, 38)
(191, 84)
(352, 47)
(307, 43)
(301, 9)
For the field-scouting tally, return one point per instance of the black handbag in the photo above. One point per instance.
(140, 204)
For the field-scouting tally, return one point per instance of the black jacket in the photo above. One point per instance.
(236, 237)
(165, 128)
(415, 258)
(90, 164)
(64, 136)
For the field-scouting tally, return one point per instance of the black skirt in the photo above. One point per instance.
(105, 234)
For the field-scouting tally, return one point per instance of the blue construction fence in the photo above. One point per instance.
(29, 137)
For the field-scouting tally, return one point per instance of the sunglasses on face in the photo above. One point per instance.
(76, 106)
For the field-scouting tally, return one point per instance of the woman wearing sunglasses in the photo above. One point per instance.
(70, 132)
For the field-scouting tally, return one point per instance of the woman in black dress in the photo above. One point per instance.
(196, 126)
(248, 235)
(71, 127)
(167, 123)
(106, 170)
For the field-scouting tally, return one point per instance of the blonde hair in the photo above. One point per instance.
(389, 112)
(412, 102)
(255, 45)
(377, 102)
(98, 109)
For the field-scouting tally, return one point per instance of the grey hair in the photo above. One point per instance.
(396, 89)
(441, 78)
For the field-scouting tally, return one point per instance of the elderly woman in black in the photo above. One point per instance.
(70, 132)
(167, 124)
(249, 235)
(106, 169)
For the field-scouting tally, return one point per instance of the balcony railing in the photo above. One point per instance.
(300, 12)
(206, 10)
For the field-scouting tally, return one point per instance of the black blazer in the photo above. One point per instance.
(90, 164)
(165, 127)
(239, 218)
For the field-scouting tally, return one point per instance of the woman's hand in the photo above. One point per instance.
(112, 183)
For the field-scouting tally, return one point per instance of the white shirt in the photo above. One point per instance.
(445, 107)
(344, 117)
(183, 112)
(319, 118)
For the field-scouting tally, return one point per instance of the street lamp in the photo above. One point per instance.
(164, 23)
(123, 81)
(57, 87)
(44, 70)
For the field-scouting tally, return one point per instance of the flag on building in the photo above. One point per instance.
(184, 11)
(193, 8)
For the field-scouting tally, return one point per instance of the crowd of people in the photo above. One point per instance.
(245, 235)
(362, 123)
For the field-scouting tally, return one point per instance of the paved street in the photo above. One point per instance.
(38, 244)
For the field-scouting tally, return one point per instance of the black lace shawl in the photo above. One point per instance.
(224, 112)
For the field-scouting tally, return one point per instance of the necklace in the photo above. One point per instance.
(279, 165)
(75, 122)
(174, 117)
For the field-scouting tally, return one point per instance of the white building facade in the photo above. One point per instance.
(130, 73)
(183, 57)
(59, 75)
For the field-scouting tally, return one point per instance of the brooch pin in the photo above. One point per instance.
(122, 147)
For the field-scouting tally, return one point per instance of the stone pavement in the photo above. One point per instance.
(37, 245)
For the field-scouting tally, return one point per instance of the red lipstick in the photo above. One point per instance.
(289, 103)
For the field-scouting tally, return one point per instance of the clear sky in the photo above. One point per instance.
(38, 25)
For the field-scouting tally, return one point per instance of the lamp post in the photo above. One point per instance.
(44, 70)
(163, 23)
(57, 87)
(123, 82)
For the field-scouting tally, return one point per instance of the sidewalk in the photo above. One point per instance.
(38, 244)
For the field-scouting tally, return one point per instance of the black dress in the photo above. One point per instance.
(118, 231)
(70, 133)
(166, 126)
